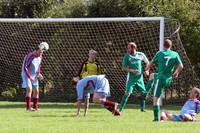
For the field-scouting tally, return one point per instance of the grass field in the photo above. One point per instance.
(60, 118)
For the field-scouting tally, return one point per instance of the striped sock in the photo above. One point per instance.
(149, 86)
(156, 111)
(28, 103)
(35, 103)
(123, 102)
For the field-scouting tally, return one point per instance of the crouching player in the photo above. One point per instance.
(31, 74)
(189, 109)
(99, 86)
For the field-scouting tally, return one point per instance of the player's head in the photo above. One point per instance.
(194, 93)
(75, 80)
(167, 44)
(92, 54)
(131, 48)
(43, 46)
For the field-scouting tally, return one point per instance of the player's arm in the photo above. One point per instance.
(78, 107)
(99, 68)
(126, 69)
(145, 59)
(28, 59)
(90, 84)
(179, 68)
(152, 62)
(81, 70)
(148, 66)
(39, 75)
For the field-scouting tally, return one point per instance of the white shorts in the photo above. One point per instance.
(26, 83)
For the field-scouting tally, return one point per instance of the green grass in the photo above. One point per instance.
(60, 118)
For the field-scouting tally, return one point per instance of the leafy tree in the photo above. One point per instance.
(188, 13)
(68, 8)
(24, 8)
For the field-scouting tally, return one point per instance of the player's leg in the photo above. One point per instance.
(100, 98)
(157, 92)
(28, 98)
(165, 115)
(188, 117)
(156, 108)
(35, 98)
(87, 102)
(35, 94)
(150, 83)
(78, 107)
(170, 116)
(142, 91)
(28, 85)
(80, 97)
(128, 92)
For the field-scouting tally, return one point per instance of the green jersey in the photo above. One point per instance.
(134, 62)
(166, 60)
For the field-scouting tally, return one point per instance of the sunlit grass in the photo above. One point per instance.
(60, 118)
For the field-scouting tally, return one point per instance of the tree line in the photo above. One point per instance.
(186, 11)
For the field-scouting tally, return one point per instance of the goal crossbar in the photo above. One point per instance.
(111, 19)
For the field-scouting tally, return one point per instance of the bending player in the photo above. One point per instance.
(99, 86)
(189, 109)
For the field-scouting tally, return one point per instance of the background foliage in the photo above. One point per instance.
(186, 11)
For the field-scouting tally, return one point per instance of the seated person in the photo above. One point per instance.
(189, 109)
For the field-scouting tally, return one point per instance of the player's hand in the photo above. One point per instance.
(134, 71)
(40, 77)
(146, 73)
(75, 79)
(175, 75)
(31, 79)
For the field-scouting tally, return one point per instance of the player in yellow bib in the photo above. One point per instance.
(166, 61)
(132, 64)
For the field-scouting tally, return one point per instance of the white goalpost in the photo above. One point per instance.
(119, 19)
(70, 39)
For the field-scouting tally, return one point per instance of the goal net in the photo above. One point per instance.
(71, 39)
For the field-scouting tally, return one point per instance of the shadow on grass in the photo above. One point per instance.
(15, 105)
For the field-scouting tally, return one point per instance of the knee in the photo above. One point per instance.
(151, 76)
(96, 100)
(29, 91)
(142, 96)
(127, 94)
(156, 100)
(35, 92)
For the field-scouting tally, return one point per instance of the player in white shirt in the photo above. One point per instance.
(189, 109)
(31, 73)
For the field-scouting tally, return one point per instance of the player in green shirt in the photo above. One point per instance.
(132, 64)
(166, 61)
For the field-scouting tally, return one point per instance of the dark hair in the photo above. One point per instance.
(168, 43)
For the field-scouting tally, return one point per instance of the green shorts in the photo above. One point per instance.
(159, 84)
(132, 84)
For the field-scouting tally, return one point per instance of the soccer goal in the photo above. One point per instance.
(70, 39)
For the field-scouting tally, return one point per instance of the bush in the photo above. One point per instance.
(10, 92)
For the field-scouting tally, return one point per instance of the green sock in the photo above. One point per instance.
(142, 105)
(149, 86)
(156, 111)
(123, 102)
